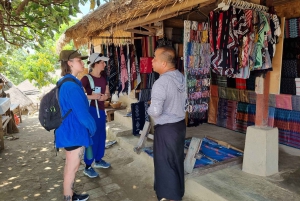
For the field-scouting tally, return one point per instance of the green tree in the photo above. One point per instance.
(38, 66)
(26, 23)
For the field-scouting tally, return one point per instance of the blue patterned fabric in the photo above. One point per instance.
(139, 116)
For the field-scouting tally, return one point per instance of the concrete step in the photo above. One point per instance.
(119, 117)
(233, 184)
(123, 135)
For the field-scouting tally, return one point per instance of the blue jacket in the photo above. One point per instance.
(78, 127)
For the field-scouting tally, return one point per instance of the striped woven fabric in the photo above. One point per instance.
(272, 100)
(242, 117)
(231, 114)
(243, 96)
(251, 114)
(252, 97)
(281, 119)
(271, 116)
(214, 91)
(222, 81)
(222, 113)
(288, 123)
(232, 94)
(297, 82)
(296, 103)
(284, 101)
(213, 110)
(222, 92)
(240, 83)
(294, 121)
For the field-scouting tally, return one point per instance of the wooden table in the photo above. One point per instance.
(109, 111)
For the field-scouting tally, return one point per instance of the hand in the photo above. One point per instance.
(96, 96)
(102, 97)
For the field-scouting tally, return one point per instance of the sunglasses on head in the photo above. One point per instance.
(99, 55)
(72, 53)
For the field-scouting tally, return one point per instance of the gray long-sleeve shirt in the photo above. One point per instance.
(168, 98)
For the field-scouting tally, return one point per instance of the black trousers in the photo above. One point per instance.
(168, 156)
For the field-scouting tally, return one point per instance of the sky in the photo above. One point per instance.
(86, 8)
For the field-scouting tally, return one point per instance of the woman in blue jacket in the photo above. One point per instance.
(78, 127)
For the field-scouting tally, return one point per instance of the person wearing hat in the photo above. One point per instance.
(97, 93)
(76, 129)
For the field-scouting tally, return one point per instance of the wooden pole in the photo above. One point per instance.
(262, 85)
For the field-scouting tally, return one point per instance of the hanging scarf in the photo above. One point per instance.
(124, 73)
(113, 69)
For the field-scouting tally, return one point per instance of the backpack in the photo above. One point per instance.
(50, 111)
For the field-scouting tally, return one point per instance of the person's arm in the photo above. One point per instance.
(158, 96)
(106, 95)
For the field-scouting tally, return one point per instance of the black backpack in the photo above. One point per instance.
(49, 112)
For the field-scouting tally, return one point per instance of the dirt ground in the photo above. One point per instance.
(30, 170)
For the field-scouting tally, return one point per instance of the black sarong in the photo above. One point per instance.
(168, 156)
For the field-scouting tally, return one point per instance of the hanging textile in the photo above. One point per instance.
(242, 40)
(113, 73)
(128, 69)
(137, 75)
(139, 116)
(197, 70)
(292, 28)
(124, 72)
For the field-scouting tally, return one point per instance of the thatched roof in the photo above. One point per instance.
(118, 14)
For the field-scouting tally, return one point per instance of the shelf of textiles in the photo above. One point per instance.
(291, 57)
(235, 109)
(197, 70)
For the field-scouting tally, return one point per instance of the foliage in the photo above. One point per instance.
(38, 66)
(27, 23)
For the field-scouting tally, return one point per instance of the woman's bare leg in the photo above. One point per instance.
(71, 167)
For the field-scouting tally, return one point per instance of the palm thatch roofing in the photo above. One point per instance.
(114, 17)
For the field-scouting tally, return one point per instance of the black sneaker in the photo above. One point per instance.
(80, 197)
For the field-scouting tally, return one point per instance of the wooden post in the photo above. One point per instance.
(262, 86)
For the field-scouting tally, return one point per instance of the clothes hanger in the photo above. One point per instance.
(220, 5)
(227, 6)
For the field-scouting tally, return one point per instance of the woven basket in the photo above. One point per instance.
(106, 104)
(116, 105)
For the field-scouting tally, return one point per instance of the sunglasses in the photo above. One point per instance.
(72, 54)
(99, 55)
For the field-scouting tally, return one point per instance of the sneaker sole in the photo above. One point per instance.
(90, 176)
(101, 167)
(83, 200)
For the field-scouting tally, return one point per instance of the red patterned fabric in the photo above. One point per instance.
(146, 64)
(284, 101)
(240, 83)
(214, 91)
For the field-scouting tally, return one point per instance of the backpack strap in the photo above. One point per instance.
(58, 85)
(92, 85)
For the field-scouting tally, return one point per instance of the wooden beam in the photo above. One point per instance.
(153, 30)
(141, 32)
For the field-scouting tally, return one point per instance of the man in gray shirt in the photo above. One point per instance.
(167, 109)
